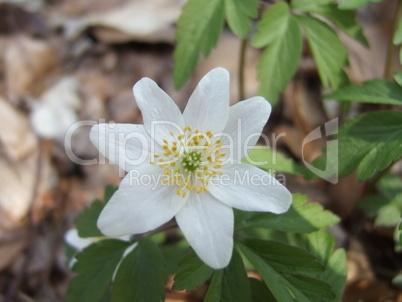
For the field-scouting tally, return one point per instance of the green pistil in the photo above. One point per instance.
(191, 160)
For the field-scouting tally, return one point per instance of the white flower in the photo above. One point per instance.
(188, 166)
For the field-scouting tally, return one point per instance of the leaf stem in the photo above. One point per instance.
(391, 46)
(242, 62)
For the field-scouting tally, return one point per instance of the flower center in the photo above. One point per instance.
(189, 160)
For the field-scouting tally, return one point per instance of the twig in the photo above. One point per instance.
(32, 229)
(242, 61)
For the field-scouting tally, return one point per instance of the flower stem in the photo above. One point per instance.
(242, 62)
(167, 226)
(391, 46)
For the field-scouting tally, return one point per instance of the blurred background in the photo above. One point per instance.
(64, 61)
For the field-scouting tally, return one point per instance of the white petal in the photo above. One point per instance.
(160, 113)
(251, 189)
(141, 204)
(74, 240)
(126, 145)
(208, 226)
(208, 106)
(244, 126)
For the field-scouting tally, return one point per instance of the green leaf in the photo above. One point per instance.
(231, 283)
(302, 217)
(388, 215)
(390, 185)
(285, 270)
(280, 33)
(398, 77)
(371, 141)
(329, 52)
(193, 273)
(397, 38)
(378, 91)
(95, 267)
(260, 292)
(353, 4)
(86, 221)
(198, 30)
(308, 5)
(109, 191)
(142, 275)
(238, 14)
(267, 159)
(372, 204)
(321, 244)
(344, 20)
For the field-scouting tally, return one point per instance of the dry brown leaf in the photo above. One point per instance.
(26, 61)
(16, 138)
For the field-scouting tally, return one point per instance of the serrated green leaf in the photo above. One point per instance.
(344, 20)
(231, 283)
(329, 53)
(390, 185)
(353, 4)
(371, 142)
(86, 221)
(192, 274)
(388, 215)
(267, 159)
(321, 244)
(109, 191)
(308, 5)
(280, 33)
(283, 257)
(378, 91)
(95, 267)
(372, 204)
(302, 217)
(238, 14)
(198, 31)
(398, 77)
(284, 269)
(260, 292)
(141, 275)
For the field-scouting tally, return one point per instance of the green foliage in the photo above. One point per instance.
(377, 91)
(231, 283)
(397, 38)
(198, 30)
(86, 221)
(260, 292)
(269, 160)
(302, 217)
(329, 53)
(141, 275)
(95, 267)
(386, 206)
(308, 5)
(371, 142)
(286, 270)
(343, 19)
(321, 244)
(353, 4)
(193, 273)
(238, 14)
(281, 35)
